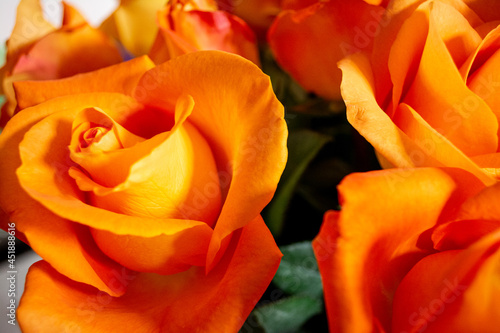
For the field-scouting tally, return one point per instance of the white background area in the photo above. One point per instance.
(95, 11)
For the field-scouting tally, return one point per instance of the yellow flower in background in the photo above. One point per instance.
(133, 24)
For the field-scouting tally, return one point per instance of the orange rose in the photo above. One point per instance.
(38, 51)
(428, 93)
(141, 188)
(309, 37)
(414, 250)
(188, 26)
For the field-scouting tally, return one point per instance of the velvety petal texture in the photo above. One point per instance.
(426, 74)
(411, 250)
(138, 184)
(42, 52)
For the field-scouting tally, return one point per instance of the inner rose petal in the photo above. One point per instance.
(172, 175)
(95, 138)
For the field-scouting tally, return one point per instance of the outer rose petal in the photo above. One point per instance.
(244, 127)
(298, 41)
(121, 78)
(460, 295)
(366, 249)
(174, 303)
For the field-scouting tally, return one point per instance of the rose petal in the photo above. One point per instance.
(464, 118)
(121, 78)
(366, 249)
(133, 24)
(372, 122)
(71, 17)
(45, 164)
(217, 302)
(72, 49)
(67, 52)
(168, 44)
(68, 247)
(488, 10)
(490, 163)
(457, 291)
(146, 184)
(457, 34)
(202, 30)
(485, 82)
(395, 16)
(25, 32)
(483, 206)
(243, 126)
(259, 14)
(483, 52)
(164, 254)
(405, 54)
(299, 45)
(461, 234)
(435, 144)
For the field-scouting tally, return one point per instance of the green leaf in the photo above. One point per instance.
(288, 314)
(303, 146)
(298, 272)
